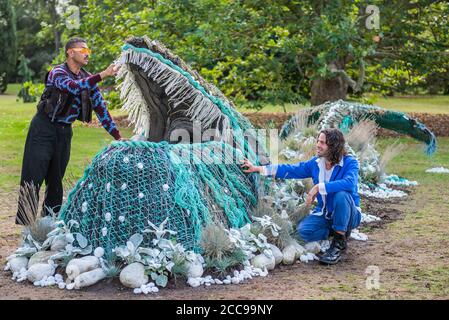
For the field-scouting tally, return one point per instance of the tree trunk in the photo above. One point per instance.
(332, 89)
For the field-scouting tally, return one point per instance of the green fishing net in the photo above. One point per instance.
(131, 183)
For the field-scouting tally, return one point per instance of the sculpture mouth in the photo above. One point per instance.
(166, 101)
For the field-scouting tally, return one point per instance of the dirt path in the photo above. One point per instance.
(410, 248)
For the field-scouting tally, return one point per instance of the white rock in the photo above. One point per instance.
(58, 244)
(165, 187)
(140, 165)
(104, 231)
(98, 252)
(227, 281)
(304, 258)
(70, 286)
(155, 289)
(357, 235)
(289, 255)
(264, 273)
(313, 247)
(151, 284)
(262, 261)
(121, 218)
(61, 285)
(17, 263)
(235, 280)
(207, 284)
(218, 281)
(84, 207)
(38, 271)
(299, 249)
(133, 275)
(137, 290)
(77, 266)
(311, 256)
(193, 282)
(89, 278)
(40, 257)
(107, 216)
(277, 253)
(194, 269)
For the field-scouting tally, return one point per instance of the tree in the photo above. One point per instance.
(8, 49)
(284, 50)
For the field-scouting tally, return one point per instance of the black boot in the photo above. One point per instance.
(333, 254)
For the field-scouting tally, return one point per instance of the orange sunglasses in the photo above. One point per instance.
(82, 50)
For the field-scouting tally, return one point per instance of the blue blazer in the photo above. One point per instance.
(344, 178)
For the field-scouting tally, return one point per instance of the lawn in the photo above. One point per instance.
(412, 252)
(423, 103)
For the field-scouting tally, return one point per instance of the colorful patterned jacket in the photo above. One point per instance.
(62, 78)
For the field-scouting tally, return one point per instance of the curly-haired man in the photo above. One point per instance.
(335, 175)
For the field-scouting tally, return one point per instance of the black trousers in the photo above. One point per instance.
(46, 155)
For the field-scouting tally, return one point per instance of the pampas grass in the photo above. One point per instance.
(286, 231)
(389, 153)
(38, 227)
(219, 253)
(361, 135)
(215, 241)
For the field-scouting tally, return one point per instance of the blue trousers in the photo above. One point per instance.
(344, 218)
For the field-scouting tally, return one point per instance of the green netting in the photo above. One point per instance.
(131, 183)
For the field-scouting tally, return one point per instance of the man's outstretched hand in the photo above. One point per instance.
(250, 167)
(110, 71)
(311, 195)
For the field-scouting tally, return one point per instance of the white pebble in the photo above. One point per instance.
(227, 281)
(121, 218)
(107, 216)
(140, 195)
(137, 291)
(218, 281)
(84, 207)
(150, 284)
(108, 186)
(61, 285)
(104, 231)
(37, 283)
(90, 185)
(125, 159)
(140, 165)
(155, 289)
(165, 187)
(235, 280)
(123, 187)
(99, 252)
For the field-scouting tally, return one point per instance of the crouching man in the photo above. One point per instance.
(335, 175)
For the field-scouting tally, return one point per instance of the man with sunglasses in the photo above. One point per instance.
(70, 93)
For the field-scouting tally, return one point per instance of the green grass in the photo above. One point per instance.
(422, 103)
(15, 118)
